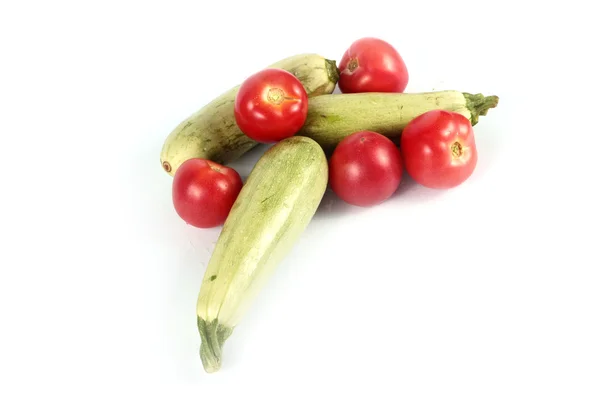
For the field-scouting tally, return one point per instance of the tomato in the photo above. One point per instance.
(372, 65)
(438, 149)
(203, 192)
(271, 105)
(365, 169)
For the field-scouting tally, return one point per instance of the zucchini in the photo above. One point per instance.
(332, 118)
(211, 132)
(275, 205)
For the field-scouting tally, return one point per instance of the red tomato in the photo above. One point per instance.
(372, 65)
(438, 149)
(204, 192)
(365, 169)
(271, 105)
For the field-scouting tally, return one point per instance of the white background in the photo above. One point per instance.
(487, 291)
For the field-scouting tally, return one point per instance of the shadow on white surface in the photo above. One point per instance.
(411, 192)
(408, 192)
(332, 206)
(244, 164)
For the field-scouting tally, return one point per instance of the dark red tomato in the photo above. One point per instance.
(365, 169)
(438, 149)
(204, 192)
(271, 105)
(372, 65)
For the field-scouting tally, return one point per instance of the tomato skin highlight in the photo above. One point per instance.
(365, 169)
(372, 65)
(271, 105)
(438, 149)
(203, 192)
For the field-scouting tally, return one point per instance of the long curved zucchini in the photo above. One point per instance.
(276, 203)
(212, 133)
(332, 118)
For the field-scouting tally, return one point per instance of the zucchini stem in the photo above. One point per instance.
(212, 336)
(479, 104)
(333, 71)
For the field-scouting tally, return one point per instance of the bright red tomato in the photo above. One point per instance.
(438, 149)
(372, 65)
(271, 105)
(365, 169)
(204, 192)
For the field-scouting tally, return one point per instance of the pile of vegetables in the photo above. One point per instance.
(358, 143)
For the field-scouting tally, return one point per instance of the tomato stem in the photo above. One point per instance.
(479, 104)
(456, 149)
(353, 64)
(276, 96)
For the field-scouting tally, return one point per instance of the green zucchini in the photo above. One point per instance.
(211, 132)
(275, 205)
(332, 118)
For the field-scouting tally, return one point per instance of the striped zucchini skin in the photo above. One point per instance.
(212, 133)
(277, 202)
(331, 118)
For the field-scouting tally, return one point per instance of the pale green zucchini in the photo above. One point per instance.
(277, 202)
(332, 118)
(211, 132)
